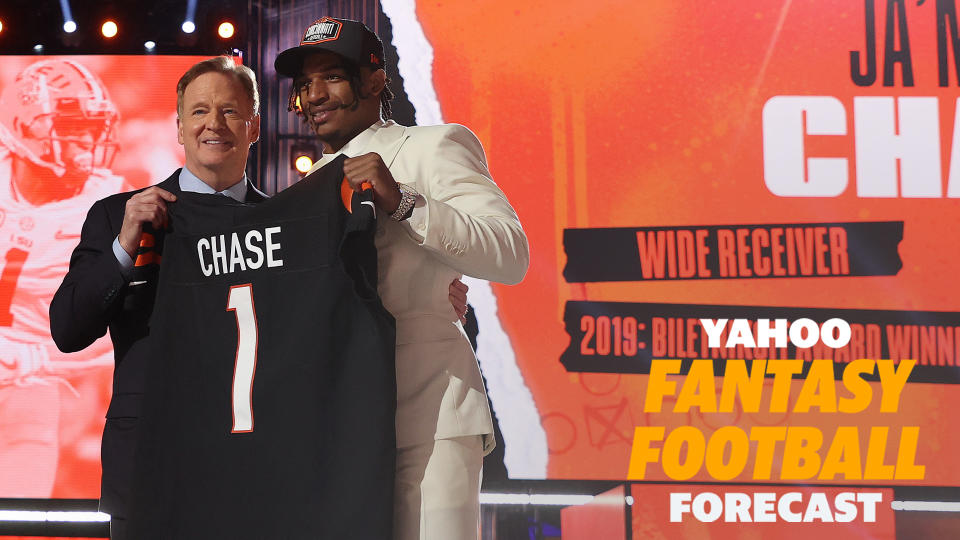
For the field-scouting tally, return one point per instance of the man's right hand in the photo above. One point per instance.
(148, 206)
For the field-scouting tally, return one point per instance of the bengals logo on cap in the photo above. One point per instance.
(325, 29)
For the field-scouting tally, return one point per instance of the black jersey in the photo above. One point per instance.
(270, 402)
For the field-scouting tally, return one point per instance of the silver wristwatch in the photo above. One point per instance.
(408, 197)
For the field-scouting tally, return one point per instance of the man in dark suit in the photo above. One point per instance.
(111, 281)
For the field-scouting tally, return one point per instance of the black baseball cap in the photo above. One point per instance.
(348, 38)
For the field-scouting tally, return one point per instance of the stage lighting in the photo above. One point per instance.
(188, 25)
(149, 45)
(38, 48)
(109, 29)
(1, 26)
(69, 25)
(303, 164)
(302, 156)
(225, 30)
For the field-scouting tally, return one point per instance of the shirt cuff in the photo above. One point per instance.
(123, 258)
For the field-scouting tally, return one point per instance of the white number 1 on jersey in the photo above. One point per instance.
(240, 302)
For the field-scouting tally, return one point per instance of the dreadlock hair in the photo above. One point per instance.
(353, 76)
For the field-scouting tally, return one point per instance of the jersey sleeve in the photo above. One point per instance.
(357, 250)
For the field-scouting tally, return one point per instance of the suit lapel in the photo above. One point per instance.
(322, 162)
(387, 142)
(171, 184)
(254, 195)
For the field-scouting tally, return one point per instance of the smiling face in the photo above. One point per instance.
(216, 128)
(333, 109)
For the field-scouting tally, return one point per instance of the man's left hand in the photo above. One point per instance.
(458, 299)
(371, 168)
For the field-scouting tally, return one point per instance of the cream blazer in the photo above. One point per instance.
(463, 225)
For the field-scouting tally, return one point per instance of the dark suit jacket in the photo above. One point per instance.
(93, 297)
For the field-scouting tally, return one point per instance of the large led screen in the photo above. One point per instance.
(73, 129)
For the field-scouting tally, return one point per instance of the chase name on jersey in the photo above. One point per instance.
(229, 253)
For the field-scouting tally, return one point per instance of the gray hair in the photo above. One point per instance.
(221, 64)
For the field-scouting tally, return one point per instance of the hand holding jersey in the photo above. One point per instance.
(147, 206)
(370, 168)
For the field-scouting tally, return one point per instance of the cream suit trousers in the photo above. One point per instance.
(437, 495)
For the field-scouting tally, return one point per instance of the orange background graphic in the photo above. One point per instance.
(607, 115)
(63, 405)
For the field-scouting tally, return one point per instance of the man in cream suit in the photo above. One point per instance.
(440, 216)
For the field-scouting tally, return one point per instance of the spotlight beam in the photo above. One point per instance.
(69, 25)
(190, 21)
(65, 8)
